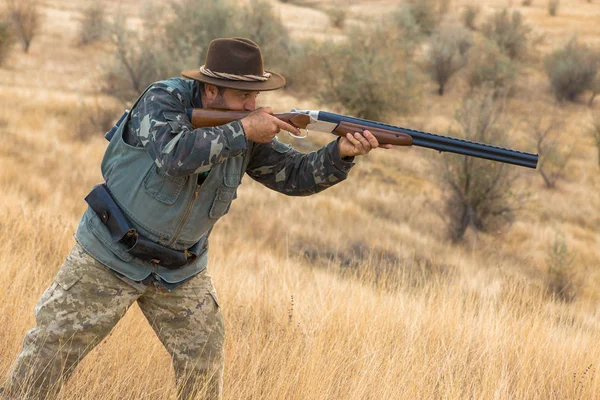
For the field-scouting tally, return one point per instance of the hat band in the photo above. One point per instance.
(232, 77)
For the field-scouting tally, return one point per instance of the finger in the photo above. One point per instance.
(352, 140)
(364, 144)
(286, 127)
(267, 110)
(386, 146)
(371, 138)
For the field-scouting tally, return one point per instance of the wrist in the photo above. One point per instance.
(341, 150)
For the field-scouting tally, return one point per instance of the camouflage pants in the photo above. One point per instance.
(84, 303)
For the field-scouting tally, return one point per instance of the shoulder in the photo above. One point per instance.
(178, 88)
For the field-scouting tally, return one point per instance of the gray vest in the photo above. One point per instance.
(173, 211)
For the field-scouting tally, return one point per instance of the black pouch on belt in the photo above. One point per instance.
(121, 230)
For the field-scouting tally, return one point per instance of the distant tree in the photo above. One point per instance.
(480, 193)
(572, 70)
(447, 53)
(25, 19)
(509, 32)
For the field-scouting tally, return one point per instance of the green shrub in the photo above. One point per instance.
(161, 50)
(428, 13)
(366, 75)
(488, 66)
(406, 29)
(447, 53)
(509, 32)
(572, 70)
(138, 59)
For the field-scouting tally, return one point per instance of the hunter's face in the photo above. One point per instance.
(231, 99)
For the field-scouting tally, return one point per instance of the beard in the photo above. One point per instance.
(219, 103)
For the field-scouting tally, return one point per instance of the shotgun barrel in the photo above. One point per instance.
(443, 143)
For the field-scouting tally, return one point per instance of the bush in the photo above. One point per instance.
(94, 120)
(509, 32)
(488, 66)
(553, 7)
(553, 157)
(25, 18)
(406, 29)
(92, 26)
(447, 53)
(337, 17)
(479, 192)
(6, 40)
(366, 75)
(560, 278)
(160, 51)
(138, 60)
(428, 13)
(572, 70)
(469, 14)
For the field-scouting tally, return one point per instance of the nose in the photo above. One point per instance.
(250, 105)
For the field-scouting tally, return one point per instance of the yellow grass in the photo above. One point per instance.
(417, 318)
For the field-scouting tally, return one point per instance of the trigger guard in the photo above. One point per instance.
(299, 137)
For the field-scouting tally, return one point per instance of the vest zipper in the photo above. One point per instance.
(185, 217)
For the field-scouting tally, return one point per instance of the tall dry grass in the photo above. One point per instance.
(354, 293)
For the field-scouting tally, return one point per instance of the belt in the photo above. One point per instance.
(121, 230)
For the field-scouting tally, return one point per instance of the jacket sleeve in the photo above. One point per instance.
(279, 167)
(163, 127)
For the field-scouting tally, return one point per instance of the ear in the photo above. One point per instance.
(211, 91)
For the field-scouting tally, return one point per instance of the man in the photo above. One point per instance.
(168, 183)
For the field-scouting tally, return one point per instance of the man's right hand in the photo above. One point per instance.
(261, 127)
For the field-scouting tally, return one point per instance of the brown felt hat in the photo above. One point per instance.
(235, 63)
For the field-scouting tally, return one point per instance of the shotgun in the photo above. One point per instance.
(386, 134)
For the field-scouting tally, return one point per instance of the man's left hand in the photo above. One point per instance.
(358, 144)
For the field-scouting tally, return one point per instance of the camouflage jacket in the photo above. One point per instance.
(160, 123)
(174, 182)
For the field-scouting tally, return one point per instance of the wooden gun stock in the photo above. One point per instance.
(203, 117)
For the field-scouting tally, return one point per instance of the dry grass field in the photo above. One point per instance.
(354, 293)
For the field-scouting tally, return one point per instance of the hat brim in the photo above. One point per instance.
(274, 82)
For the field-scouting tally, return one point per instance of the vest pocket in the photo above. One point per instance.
(163, 187)
(226, 193)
